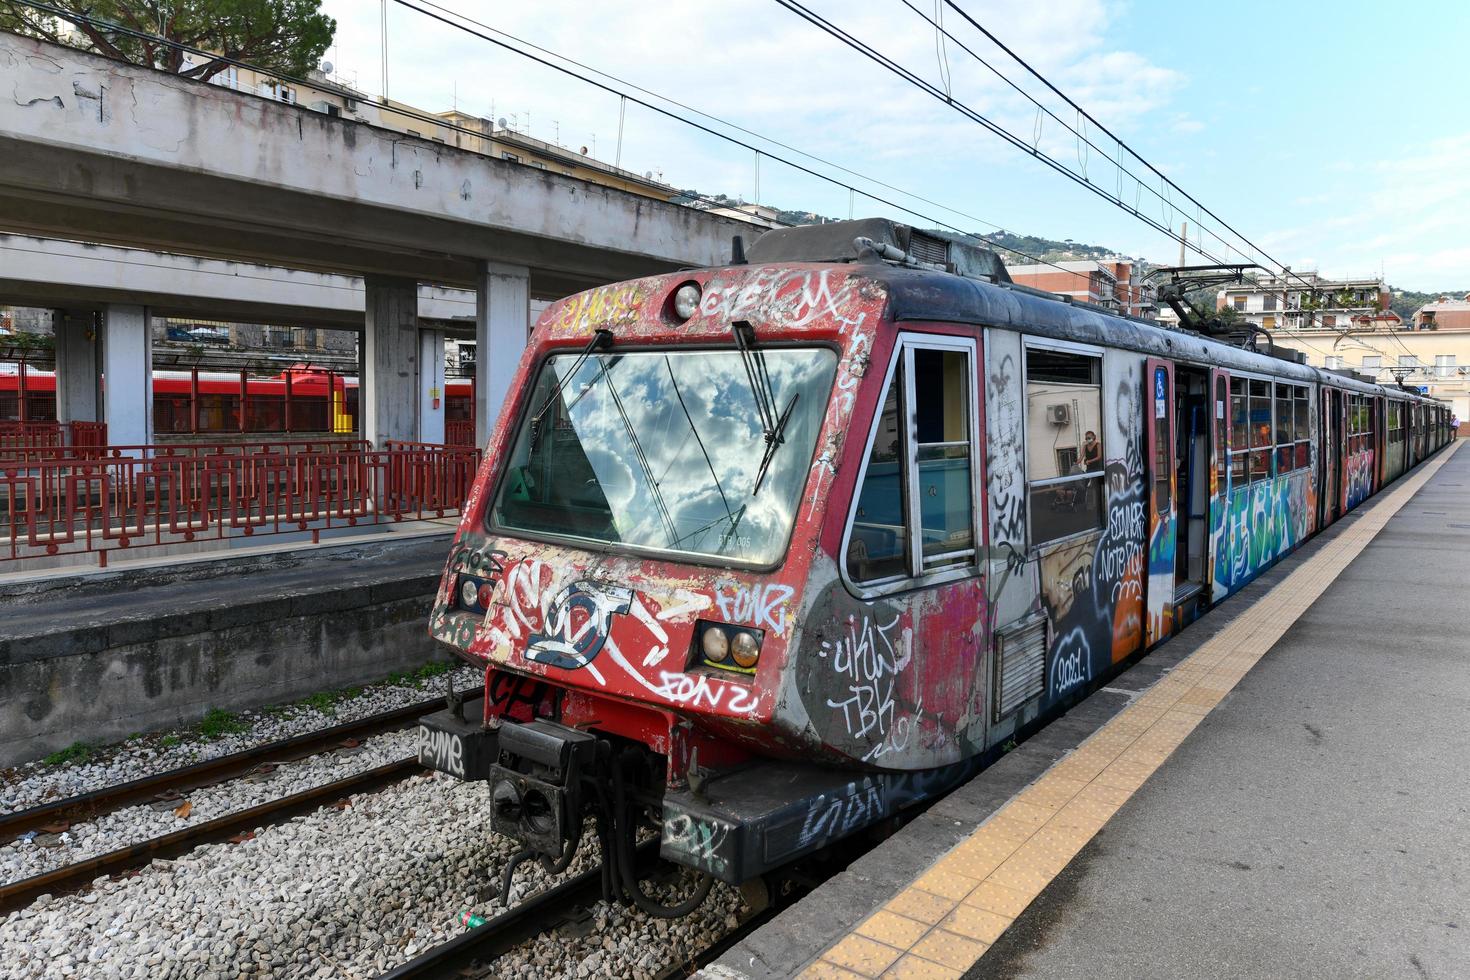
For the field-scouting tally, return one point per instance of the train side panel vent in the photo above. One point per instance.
(1020, 665)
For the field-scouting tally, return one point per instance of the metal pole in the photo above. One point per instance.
(288, 400)
(194, 398)
(622, 108)
(385, 50)
(21, 389)
(244, 400)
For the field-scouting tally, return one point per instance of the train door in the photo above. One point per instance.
(1159, 429)
(1331, 431)
(1192, 490)
(1219, 485)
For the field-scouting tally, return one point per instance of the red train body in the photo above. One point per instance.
(764, 554)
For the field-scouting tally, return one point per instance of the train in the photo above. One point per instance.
(765, 555)
(188, 403)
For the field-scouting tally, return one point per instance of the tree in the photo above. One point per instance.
(285, 36)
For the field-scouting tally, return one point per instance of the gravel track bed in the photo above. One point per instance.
(337, 893)
(42, 852)
(38, 782)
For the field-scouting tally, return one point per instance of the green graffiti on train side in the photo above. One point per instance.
(1262, 522)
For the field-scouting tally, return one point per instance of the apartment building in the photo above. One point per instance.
(1107, 282)
(1308, 301)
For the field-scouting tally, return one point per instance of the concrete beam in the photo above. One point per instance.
(390, 354)
(127, 375)
(105, 151)
(57, 274)
(502, 324)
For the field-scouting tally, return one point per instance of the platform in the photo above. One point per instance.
(96, 654)
(1279, 791)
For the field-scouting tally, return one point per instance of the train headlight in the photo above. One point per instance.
(727, 647)
(714, 643)
(686, 300)
(474, 593)
(745, 650)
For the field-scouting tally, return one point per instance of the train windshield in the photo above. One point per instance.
(667, 450)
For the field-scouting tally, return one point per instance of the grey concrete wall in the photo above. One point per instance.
(97, 657)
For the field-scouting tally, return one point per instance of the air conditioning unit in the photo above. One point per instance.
(1059, 414)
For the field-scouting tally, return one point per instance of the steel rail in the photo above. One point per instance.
(75, 877)
(543, 911)
(87, 806)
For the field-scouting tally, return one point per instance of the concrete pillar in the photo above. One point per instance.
(76, 365)
(431, 385)
(127, 374)
(390, 346)
(502, 323)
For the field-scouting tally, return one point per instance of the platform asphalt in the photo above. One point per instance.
(1305, 828)
(1317, 822)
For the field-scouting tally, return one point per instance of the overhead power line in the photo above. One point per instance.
(485, 36)
(924, 85)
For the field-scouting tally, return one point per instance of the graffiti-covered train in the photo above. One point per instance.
(761, 555)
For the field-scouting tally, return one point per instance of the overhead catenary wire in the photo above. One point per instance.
(874, 55)
(1085, 114)
(713, 132)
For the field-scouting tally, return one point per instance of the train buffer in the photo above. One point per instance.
(1279, 791)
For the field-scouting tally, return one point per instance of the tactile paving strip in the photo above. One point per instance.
(942, 923)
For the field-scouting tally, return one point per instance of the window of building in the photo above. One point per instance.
(1268, 302)
(1444, 365)
(1239, 302)
(1372, 362)
(286, 94)
(919, 471)
(1333, 362)
(1408, 360)
(1329, 319)
(1064, 450)
(1268, 322)
(507, 155)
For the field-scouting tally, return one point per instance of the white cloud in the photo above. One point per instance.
(764, 68)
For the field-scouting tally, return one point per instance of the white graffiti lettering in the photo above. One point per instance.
(761, 606)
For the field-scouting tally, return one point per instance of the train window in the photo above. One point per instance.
(1303, 429)
(919, 471)
(878, 547)
(1285, 429)
(1261, 441)
(665, 451)
(1064, 450)
(942, 451)
(1239, 432)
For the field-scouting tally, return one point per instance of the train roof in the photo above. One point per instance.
(961, 287)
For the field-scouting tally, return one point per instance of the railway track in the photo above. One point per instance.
(89, 806)
(79, 875)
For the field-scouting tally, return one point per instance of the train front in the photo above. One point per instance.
(630, 561)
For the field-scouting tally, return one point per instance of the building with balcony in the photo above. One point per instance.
(1108, 282)
(1435, 362)
(1310, 301)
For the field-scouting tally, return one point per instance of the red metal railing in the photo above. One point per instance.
(78, 501)
(20, 439)
(460, 432)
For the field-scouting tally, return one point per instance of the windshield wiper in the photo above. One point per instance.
(600, 339)
(773, 427)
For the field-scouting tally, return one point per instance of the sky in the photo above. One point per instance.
(1332, 137)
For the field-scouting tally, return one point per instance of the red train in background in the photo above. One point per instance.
(301, 399)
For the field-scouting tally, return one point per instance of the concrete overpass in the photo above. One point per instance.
(63, 275)
(97, 150)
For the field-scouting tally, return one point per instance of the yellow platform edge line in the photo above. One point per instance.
(943, 922)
